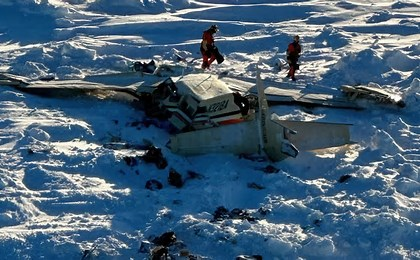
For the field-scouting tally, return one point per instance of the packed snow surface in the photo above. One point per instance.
(64, 192)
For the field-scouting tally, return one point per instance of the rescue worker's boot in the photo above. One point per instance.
(205, 65)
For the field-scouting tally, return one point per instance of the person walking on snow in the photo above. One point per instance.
(293, 54)
(208, 50)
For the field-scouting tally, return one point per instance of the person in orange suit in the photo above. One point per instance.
(293, 54)
(207, 48)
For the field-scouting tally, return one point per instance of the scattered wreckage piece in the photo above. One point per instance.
(149, 67)
(374, 92)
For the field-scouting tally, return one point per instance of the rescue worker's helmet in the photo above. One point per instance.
(214, 28)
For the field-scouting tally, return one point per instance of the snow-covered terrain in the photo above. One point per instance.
(64, 193)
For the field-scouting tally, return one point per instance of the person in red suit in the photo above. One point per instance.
(293, 54)
(207, 48)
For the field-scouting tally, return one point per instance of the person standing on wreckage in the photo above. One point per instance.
(293, 54)
(207, 48)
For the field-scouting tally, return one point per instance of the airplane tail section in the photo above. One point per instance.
(316, 135)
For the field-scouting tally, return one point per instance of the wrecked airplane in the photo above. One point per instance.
(209, 117)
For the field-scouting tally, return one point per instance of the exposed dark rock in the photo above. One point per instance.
(154, 155)
(175, 179)
(159, 253)
(153, 185)
(344, 178)
(166, 239)
(270, 169)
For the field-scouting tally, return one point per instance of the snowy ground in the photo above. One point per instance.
(63, 192)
